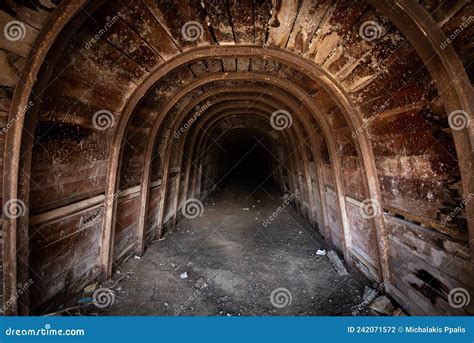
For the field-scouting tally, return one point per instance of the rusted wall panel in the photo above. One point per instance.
(64, 254)
(363, 236)
(125, 227)
(335, 225)
(427, 265)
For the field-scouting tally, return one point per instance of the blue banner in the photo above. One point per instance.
(237, 329)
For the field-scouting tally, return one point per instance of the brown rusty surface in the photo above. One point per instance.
(379, 109)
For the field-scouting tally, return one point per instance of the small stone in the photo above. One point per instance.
(337, 263)
(382, 305)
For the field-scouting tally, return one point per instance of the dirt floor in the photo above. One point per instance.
(233, 263)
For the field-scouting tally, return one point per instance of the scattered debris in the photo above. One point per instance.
(382, 305)
(321, 252)
(337, 263)
(184, 275)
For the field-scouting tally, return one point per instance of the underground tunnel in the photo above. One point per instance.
(226, 158)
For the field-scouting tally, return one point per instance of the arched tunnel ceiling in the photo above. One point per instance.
(366, 86)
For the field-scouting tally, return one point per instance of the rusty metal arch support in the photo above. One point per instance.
(451, 80)
(191, 144)
(150, 145)
(296, 164)
(165, 168)
(13, 142)
(201, 142)
(316, 157)
(311, 70)
(302, 96)
(407, 16)
(223, 91)
(192, 105)
(236, 95)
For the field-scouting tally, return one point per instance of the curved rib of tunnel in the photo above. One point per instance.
(192, 157)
